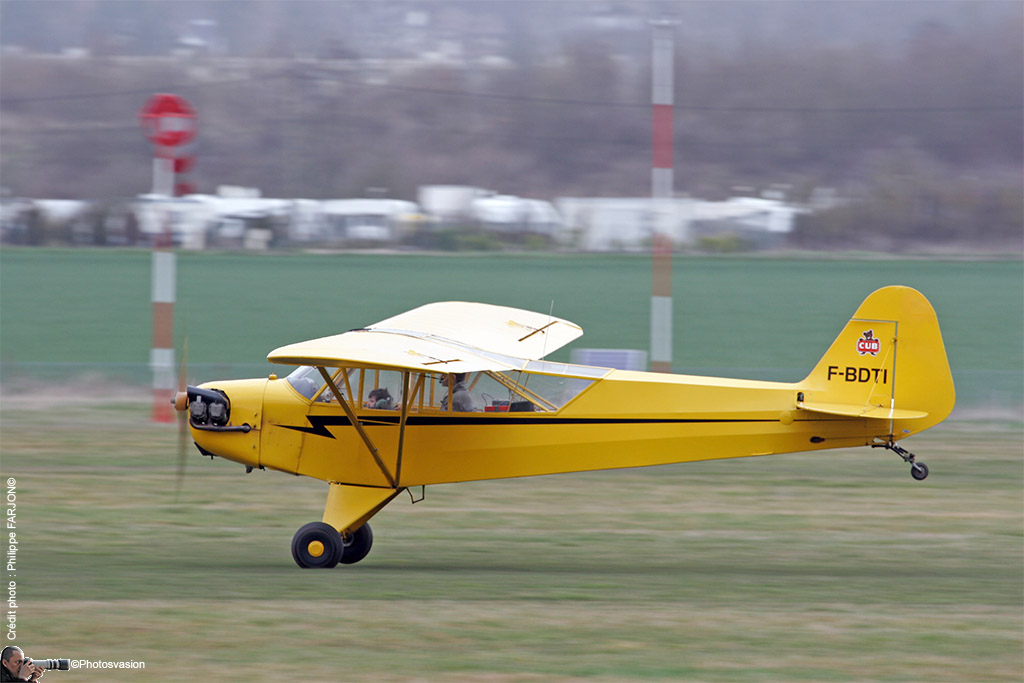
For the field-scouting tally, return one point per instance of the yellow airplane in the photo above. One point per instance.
(457, 391)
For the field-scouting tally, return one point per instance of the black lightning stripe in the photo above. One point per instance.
(320, 423)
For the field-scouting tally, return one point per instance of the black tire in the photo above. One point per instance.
(919, 470)
(306, 551)
(357, 544)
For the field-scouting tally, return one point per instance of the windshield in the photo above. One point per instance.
(308, 381)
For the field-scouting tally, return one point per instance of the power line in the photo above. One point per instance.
(133, 93)
(562, 101)
(707, 108)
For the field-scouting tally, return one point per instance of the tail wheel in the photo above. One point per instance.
(357, 544)
(918, 470)
(317, 546)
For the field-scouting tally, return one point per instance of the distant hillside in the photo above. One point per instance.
(921, 137)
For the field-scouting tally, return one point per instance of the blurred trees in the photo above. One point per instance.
(907, 198)
(921, 142)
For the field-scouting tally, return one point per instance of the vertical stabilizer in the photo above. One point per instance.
(888, 363)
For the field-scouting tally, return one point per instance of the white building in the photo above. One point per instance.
(509, 215)
(453, 205)
(623, 223)
(627, 223)
(196, 220)
(449, 203)
(367, 220)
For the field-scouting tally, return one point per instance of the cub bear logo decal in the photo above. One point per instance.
(868, 344)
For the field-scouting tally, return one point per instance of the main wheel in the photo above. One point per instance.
(317, 546)
(919, 470)
(357, 544)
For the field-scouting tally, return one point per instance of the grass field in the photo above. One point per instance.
(833, 566)
(764, 318)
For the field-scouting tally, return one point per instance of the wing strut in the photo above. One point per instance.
(359, 427)
(406, 400)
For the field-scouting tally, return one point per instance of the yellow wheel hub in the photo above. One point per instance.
(315, 548)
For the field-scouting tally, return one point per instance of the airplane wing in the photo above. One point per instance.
(498, 329)
(440, 337)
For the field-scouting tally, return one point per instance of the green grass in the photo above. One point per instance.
(88, 312)
(828, 566)
(94, 305)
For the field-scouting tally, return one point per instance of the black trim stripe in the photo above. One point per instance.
(318, 424)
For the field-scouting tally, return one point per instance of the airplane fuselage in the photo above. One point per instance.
(625, 419)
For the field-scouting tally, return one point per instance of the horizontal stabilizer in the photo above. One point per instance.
(874, 412)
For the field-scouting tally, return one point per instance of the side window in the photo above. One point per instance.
(493, 392)
(551, 391)
(517, 391)
(496, 396)
(499, 392)
(431, 392)
(380, 389)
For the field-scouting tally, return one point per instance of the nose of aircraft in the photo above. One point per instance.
(225, 418)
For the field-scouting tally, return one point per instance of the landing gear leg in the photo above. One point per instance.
(918, 470)
(344, 535)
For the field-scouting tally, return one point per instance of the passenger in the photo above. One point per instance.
(380, 399)
(462, 400)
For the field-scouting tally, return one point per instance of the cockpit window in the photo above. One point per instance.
(496, 392)
(377, 389)
(543, 387)
(548, 392)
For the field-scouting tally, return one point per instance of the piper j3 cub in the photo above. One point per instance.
(456, 391)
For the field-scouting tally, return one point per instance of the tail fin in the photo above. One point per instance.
(888, 363)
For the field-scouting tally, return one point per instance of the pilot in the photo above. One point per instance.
(462, 401)
(13, 667)
(380, 399)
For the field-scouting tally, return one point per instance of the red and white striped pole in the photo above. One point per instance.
(662, 99)
(161, 355)
(163, 289)
(169, 122)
